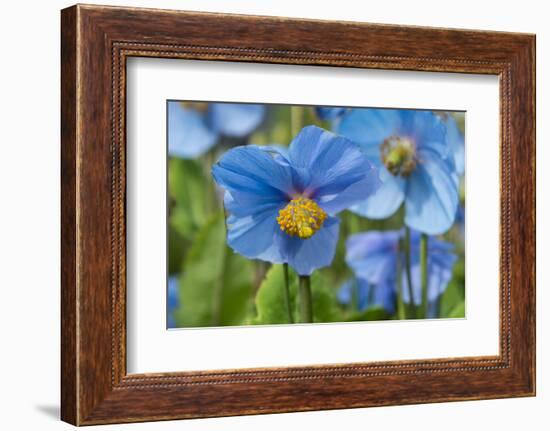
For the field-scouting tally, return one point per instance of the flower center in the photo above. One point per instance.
(398, 155)
(302, 217)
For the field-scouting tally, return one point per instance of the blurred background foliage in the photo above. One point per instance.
(217, 287)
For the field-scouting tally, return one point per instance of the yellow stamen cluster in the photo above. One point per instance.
(398, 155)
(302, 217)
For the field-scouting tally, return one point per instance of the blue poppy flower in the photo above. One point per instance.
(195, 127)
(373, 257)
(282, 205)
(411, 152)
(172, 299)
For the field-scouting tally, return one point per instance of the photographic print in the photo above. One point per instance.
(282, 214)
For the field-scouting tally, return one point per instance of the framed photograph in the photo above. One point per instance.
(266, 215)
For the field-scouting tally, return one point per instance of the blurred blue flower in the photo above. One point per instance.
(330, 113)
(194, 127)
(172, 299)
(367, 294)
(411, 152)
(441, 260)
(282, 205)
(460, 223)
(455, 139)
(373, 257)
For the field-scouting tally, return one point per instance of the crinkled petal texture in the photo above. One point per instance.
(331, 169)
(307, 255)
(432, 195)
(426, 130)
(260, 181)
(256, 187)
(235, 120)
(386, 200)
(434, 174)
(188, 135)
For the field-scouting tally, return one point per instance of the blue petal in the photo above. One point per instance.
(251, 170)
(278, 152)
(386, 200)
(432, 195)
(235, 120)
(438, 280)
(188, 136)
(303, 151)
(372, 255)
(426, 130)
(344, 195)
(364, 292)
(455, 140)
(171, 321)
(328, 113)
(345, 293)
(384, 295)
(368, 294)
(416, 285)
(331, 169)
(173, 292)
(370, 127)
(441, 260)
(243, 204)
(255, 236)
(307, 255)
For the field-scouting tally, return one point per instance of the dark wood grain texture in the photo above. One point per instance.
(95, 42)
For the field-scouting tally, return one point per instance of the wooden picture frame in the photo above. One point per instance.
(96, 41)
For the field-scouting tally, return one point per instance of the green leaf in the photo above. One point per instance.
(176, 251)
(187, 187)
(458, 311)
(454, 294)
(215, 282)
(270, 301)
(324, 300)
(371, 313)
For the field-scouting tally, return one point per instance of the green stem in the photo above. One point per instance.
(296, 119)
(424, 274)
(287, 294)
(401, 313)
(407, 245)
(209, 186)
(306, 309)
(218, 293)
(353, 223)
